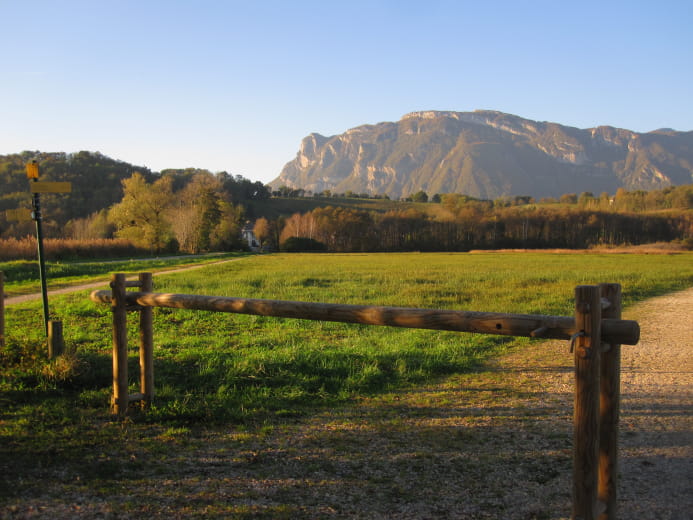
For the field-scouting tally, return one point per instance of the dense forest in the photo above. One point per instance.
(459, 223)
(194, 210)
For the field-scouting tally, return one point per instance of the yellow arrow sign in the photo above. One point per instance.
(32, 171)
(18, 214)
(50, 187)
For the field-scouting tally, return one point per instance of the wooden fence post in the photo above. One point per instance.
(119, 405)
(146, 344)
(609, 408)
(587, 346)
(56, 344)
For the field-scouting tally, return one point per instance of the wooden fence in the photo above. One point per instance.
(595, 332)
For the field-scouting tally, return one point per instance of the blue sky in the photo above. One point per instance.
(235, 85)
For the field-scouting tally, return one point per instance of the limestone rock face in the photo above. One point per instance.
(488, 154)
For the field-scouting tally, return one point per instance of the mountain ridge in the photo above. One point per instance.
(487, 154)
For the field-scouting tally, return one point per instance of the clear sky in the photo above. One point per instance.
(235, 85)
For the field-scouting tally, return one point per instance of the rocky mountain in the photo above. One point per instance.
(488, 154)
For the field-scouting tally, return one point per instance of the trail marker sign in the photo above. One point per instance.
(50, 187)
(37, 187)
(18, 214)
(32, 170)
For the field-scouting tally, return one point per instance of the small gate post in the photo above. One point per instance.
(609, 408)
(146, 344)
(119, 404)
(56, 342)
(587, 346)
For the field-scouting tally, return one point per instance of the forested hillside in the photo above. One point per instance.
(98, 186)
(194, 210)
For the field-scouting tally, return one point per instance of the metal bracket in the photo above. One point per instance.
(540, 332)
(574, 338)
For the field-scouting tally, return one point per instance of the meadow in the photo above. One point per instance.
(250, 373)
(219, 367)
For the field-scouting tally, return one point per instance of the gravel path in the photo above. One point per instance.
(657, 412)
(656, 425)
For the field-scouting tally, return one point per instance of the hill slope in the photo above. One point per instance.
(96, 185)
(488, 154)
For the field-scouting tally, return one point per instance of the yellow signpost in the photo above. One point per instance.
(50, 187)
(32, 170)
(53, 329)
(18, 214)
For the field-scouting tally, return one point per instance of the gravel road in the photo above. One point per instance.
(657, 412)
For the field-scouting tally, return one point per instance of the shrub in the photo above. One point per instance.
(302, 244)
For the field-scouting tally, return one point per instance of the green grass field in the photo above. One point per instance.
(220, 367)
(252, 377)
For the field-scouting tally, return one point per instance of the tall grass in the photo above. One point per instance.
(219, 367)
(63, 249)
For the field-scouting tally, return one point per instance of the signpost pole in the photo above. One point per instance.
(32, 173)
(41, 259)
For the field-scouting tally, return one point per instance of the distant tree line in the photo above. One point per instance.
(461, 223)
(673, 197)
(300, 193)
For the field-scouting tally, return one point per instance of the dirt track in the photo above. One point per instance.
(95, 285)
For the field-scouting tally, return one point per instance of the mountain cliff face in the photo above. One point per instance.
(488, 154)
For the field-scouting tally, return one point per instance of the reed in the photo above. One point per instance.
(63, 249)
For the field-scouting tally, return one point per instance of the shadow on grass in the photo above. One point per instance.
(49, 426)
(475, 445)
(435, 452)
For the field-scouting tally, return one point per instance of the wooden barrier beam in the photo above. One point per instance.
(554, 327)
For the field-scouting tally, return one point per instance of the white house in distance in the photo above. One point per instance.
(249, 236)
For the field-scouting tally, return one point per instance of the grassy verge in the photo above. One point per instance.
(22, 276)
(230, 382)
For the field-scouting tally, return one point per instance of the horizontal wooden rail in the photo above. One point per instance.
(614, 331)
